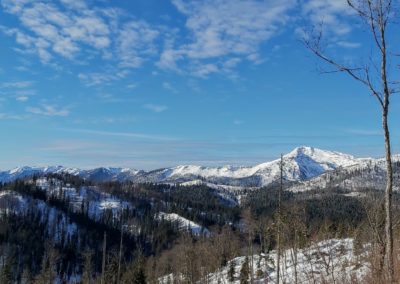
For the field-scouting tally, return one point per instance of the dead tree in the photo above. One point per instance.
(103, 265)
(377, 15)
(278, 230)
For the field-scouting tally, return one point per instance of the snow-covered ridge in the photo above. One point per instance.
(329, 261)
(184, 224)
(300, 164)
(367, 174)
(95, 200)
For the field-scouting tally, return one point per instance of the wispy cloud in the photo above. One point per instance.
(168, 86)
(70, 145)
(122, 134)
(48, 110)
(217, 37)
(8, 116)
(221, 29)
(74, 31)
(16, 85)
(22, 98)
(155, 108)
(332, 14)
(136, 41)
(100, 78)
(50, 30)
(348, 44)
(18, 90)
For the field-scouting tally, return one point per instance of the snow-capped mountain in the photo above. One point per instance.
(367, 174)
(98, 174)
(301, 164)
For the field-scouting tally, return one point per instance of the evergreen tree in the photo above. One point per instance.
(231, 271)
(245, 272)
(6, 272)
(139, 276)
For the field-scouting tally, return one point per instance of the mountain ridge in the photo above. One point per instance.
(301, 164)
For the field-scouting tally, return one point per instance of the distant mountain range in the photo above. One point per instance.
(302, 165)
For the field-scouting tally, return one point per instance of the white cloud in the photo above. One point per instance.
(22, 98)
(136, 41)
(217, 35)
(203, 70)
(7, 116)
(332, 14)
(348, 44)
(16, 84)
(155, 108)
(48, 110)
(169, 87)
(72, 30)
(132, 86)
(97, 78)
(226, 29)
(122, 134)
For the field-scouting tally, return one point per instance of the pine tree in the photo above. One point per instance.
(6, 273)
(139, 275)
(231, 271)
(26, 276)
(87, 267)
(245, 272)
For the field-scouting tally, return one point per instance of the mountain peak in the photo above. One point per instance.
(302, 163)
(319, 154)
(303, 150)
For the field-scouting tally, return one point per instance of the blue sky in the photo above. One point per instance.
(151, 83)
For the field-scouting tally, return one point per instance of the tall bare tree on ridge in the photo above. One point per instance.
(378, 17)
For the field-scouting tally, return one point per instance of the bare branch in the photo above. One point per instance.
(315, 48)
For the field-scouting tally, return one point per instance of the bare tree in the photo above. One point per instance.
(377, 15)
(279, 219)
(103, 265)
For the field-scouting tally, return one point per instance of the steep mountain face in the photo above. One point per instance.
(367, 174)
(303, 163)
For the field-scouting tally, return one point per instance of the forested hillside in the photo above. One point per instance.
(55, 228)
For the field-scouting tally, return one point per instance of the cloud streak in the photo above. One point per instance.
(48, 110)
(121, 134)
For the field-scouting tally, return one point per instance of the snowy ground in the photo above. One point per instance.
(98, 202)
(330, 261)
(61, 226)
(184, 224)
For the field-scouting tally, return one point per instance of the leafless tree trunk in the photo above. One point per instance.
(377, 14)
(103, 266)
(278, 230)
(120, 254)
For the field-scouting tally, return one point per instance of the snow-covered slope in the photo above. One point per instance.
(94, 200)
(98, 174)
(367, 174)
(300, 164)
(64, 228)
(329, 261)
(184, 224)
